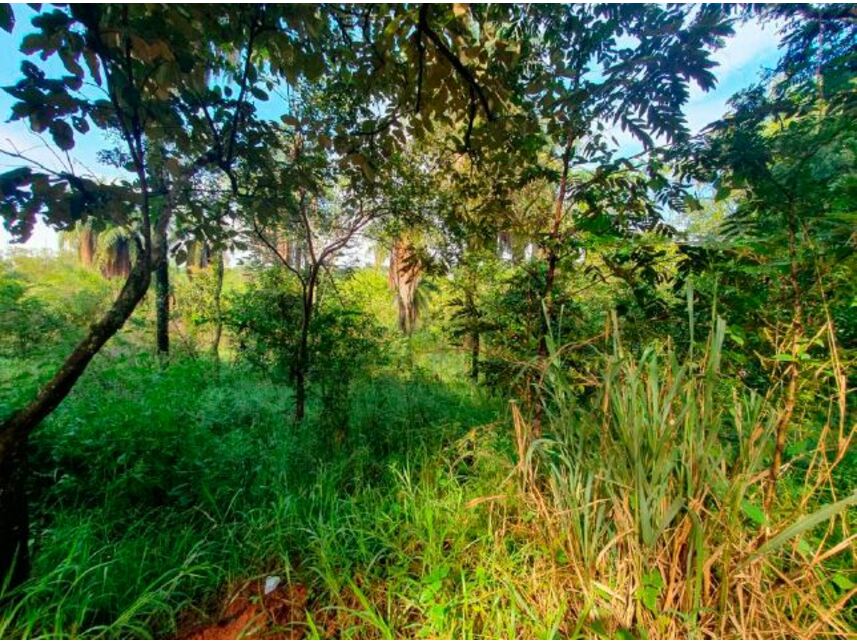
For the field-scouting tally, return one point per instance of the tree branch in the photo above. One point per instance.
(258, 232)
(456, 63)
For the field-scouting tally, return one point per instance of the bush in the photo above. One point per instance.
(344, 340)
(26, 324)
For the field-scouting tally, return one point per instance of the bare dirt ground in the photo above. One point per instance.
(250, 613)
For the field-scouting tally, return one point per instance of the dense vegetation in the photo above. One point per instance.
(369, 326)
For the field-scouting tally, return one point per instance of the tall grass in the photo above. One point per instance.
(654, 493)
(156, 488)
(432, 512)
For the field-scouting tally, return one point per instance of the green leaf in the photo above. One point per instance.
(649, 597)
(804, 547)
(842, 582)
(784, 357)
(723, 191)
(438, 574)
(62, 134)
(735, 337)
(653, 579)
(648, 594)
(754, 512)
(804, 523)
(7, 17)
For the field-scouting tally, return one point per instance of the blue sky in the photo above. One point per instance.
(751, 51)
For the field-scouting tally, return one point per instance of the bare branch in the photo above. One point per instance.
(30, 161)
(273, 248)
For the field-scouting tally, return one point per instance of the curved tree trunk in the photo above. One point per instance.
(15, 430)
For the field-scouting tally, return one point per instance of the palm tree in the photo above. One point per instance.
(405, 274)
(114, 249)
(198, 256)
(110, 249)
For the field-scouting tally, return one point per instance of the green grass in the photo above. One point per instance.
(151, 498)
(419, 519)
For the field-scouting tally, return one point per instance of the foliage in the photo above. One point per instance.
(344, 340)
(194, 308)
(46, 303)
(24, 323)
(657, 479)
(393, 529)
(600, 390)
(112, 561)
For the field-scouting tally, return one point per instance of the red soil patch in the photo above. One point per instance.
(252, 614)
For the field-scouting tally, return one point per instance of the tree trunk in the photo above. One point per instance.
(302, 363)
(550, 278)
(218, 312)
(404, 277)
(552, 254)
(793, 371)
(300, 393)
(86, 249)
(474, 356)
(197, 258)
(473, 322)
(16, 429)
(14, 511)
(118, 262)
(162, 297)
(301, 367)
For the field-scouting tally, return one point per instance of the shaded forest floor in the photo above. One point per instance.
(160, 489)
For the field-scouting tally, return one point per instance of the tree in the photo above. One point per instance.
(81, 239)
(179, 88)
(218, 306)
(181, 80)
(325, 218)
(784, 156)
(577, 71)
(109, 249)
(593, 81)
(404, 275)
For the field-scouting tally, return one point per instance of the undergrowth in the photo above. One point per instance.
(433, 512)
(156, 486)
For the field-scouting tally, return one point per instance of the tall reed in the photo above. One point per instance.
(653, 491)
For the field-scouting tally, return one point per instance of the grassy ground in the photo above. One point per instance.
(160, 490)
(157, 487)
